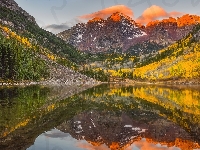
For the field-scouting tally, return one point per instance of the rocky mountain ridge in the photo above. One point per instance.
(167, 31)
(119, 33)
(100, 35)
(13, 6)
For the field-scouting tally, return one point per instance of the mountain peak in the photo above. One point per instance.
(164, 21)
(116, 16)
(188, 19)
(96, 19)
(185, 20)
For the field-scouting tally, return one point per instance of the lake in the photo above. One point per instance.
(106, 117)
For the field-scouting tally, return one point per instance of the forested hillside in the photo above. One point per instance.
(26, 27)
(30, 53)
(180, 60)
(19, 58)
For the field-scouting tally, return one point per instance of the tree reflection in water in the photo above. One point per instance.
(107, 116)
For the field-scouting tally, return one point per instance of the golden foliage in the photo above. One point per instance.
(186, 65)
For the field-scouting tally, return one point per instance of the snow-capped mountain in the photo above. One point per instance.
(97, 35)
(121, 33)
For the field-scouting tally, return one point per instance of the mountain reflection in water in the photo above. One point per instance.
(104, 117)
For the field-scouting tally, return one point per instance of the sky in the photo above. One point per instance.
(59, 15)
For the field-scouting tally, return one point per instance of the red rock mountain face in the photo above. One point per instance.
(171, 29)
(119, 32)
(99, 35)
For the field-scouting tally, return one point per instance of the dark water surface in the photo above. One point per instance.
(107, 117)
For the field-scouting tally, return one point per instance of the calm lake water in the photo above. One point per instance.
(107, 117)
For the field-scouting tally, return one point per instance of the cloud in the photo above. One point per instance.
(89, 146)
(175, 14)
(155, 12)
(57, 28)
(144, 145)
(56, 134)
(150, 14)
(109, 11)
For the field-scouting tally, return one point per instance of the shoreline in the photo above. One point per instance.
(194, 82)
(50, 83)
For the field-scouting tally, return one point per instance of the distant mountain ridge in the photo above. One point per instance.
(120, 32)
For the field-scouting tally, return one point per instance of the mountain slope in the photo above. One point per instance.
(19, 60)
(29, 53)
(12, 16)
(180, 60)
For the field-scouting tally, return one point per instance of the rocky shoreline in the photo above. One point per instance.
(168, 82)
(173, 82)
(52, 82)
(78, 81)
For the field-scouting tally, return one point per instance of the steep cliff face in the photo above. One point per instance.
(119, 33)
